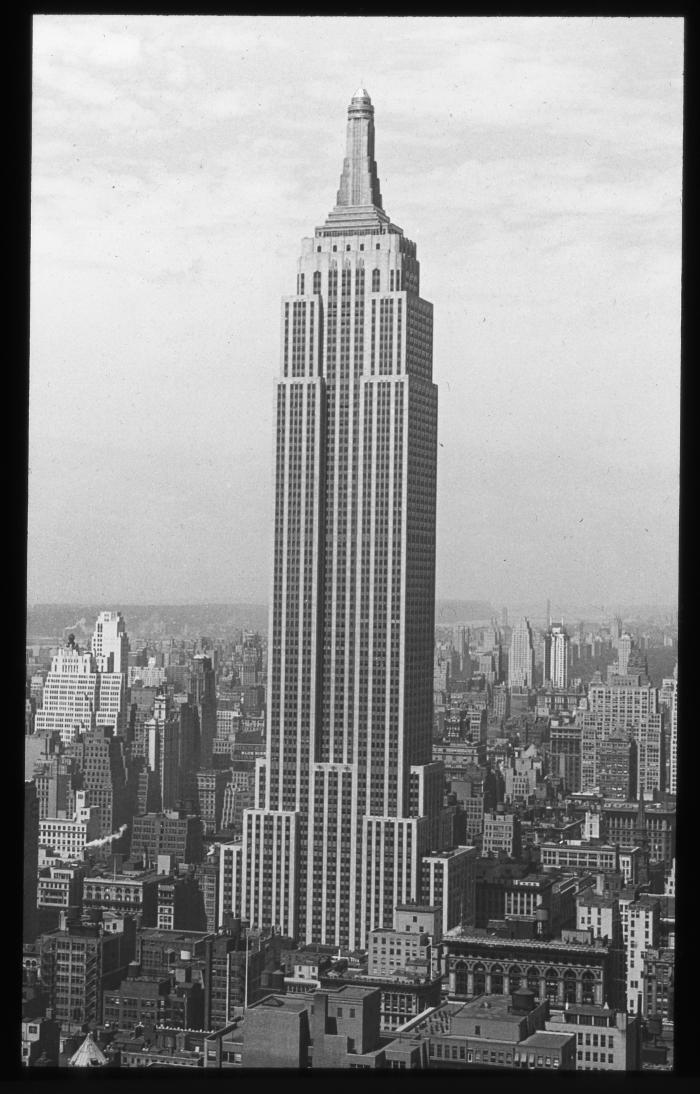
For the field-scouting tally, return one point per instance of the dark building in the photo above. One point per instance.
(136, 1001)
(30, 915)
(173, 833)
(207, 875)
(654, 827)
(147, 790)
(180, 905)
(658, 984)
(493, 879)
(158, 951)
(168, 1047)
(211, 783)
(327, 1029)
(185, 713)
(402, 997)
(202, 687)
(100, 757)
(55, 776)
(565, 755)
(40, 1038)
(78, 963)
(253, 699)
(617, 767)
(174, 1000)
(235, 963)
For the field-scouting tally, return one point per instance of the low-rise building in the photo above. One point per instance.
(654, 825)
(327, 1029)
(583, 855)
(60, 887)
(136, 1001)
(575, 968)
(606, 1040)
(409, 944)
(68, 836)
(658, 974)
(640, 920)
(448, 881)
(121, 893)
(167, 1047)
(40, 1037)
(79, 961)
(492, 1032)
(403, 994)
(501, 833)
(174, 833)
(158, 950)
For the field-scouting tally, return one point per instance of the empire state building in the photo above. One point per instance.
(348, 801)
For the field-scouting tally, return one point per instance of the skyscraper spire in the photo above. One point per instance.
(359, 199)
(359, 184)
(348, 799)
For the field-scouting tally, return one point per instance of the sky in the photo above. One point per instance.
(177, 162)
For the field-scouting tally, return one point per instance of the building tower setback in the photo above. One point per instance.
(110, 643)
(556, 657)
(347, 798)
(521, 657)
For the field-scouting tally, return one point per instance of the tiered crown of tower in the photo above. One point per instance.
(359, 199)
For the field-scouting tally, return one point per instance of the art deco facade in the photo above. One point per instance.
(347, 798)
(521, 659)
(556, 657)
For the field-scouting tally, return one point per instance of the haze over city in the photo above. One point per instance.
(538, 162)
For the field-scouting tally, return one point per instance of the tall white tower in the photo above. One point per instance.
(348, 798)
(521, 657)
(673, 735)
(110, 639)
(556, 657)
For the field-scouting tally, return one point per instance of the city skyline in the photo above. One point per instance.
(543, 189)
(347, 802)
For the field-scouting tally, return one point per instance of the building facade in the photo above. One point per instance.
(556, 657)
(349, 799)
(606, 1040)
(557, 970)
(521, 657)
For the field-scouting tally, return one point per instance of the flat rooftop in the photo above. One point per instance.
(633, 807)
(127, 879)
(583, 1008)
(479, 935)
(547, 1040)
(174, 936)
(496, 1007)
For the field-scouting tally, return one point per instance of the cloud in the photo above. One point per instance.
(178, 161)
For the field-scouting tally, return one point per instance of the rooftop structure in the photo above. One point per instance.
(88, 1055)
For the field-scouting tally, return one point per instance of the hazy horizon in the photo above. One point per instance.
(177, 164)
